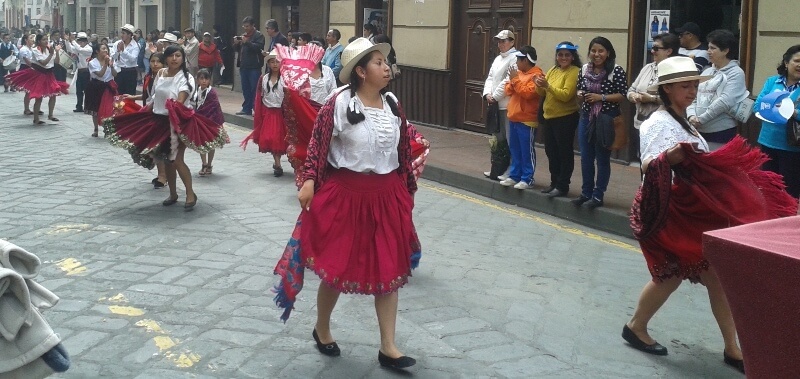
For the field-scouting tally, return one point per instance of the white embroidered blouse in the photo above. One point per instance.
(661, 132)
(166, 88)
(271, 94)
(369, 146)
(322, 87)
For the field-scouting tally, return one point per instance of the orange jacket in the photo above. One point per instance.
(524, 103)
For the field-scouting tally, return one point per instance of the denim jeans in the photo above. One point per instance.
(249, 82)
(592, 154)
(523, 154)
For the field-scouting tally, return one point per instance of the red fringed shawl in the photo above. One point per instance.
(711, 191)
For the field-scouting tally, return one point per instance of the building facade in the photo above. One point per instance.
(445, 47)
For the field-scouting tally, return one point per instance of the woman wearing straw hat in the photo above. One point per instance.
(686, 192)
(355, 228)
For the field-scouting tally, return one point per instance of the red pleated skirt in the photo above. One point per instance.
(144, 135)
(37, 84)
(270, 133)
(359, 235)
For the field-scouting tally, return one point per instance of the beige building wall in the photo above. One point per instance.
(776, 31)
(420, 33)
(343, 17)
(578, 21)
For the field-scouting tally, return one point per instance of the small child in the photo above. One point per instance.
(523, 107)
(206, 103)
(269, 129)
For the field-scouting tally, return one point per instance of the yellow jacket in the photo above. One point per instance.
(561, 95)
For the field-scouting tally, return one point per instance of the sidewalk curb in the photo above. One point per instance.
(605, 219)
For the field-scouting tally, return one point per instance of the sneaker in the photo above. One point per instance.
(502, 177)
(522, 186)
(508, 182)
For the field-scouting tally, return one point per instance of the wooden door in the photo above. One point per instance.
(477, 23)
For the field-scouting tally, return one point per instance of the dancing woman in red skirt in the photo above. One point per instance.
(269, 129)
(355, 229)
(40, 81)
(102, 88)
(25, 58)
(166, 127)
(687, 191)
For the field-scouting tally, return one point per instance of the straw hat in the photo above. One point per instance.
(272, 55)
(676, 69)
(357, 50)
(129, 28)
(82, 35)
(169, 38)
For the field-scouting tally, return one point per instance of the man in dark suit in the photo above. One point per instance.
(274, 33)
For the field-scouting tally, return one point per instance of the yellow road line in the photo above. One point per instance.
(71, 266)
(518, 213)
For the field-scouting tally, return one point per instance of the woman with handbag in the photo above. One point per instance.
(784, 156)
(712, 111)
(559, 116)
(602, 86)
(664, 46)
(685, 192)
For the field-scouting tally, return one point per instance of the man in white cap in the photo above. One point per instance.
(126, 59)
(191, 48)
(78, 47)
(495, 96)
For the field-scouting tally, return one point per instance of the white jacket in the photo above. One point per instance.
(498, 73)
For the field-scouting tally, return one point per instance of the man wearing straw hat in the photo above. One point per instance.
(7, 49)
(80, 49)
(126, 59)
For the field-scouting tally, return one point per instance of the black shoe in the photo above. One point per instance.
(548, 189)
(593, 203)
(169, 201)
(557, 193)
(395, 363)
(277, 171)
(579, 200)
(331, 349)
(190, 206)
(78, 110)
(633, 340)
(154, 180)
(733, 362)
(158, 184)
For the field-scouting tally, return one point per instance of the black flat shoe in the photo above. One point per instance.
(556, 193)
(733, 362)
(593, 203)
(169, 202)
(277, 171)
(154, 180)
(395, 363)
(158, 185)
(629, 336)
(330, 349)
(579, 200)
(548, 189)
(190, 206)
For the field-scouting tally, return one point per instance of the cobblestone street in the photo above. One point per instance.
(149, 291)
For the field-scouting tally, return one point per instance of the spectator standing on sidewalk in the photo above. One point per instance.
(689, 36)
(602, 86)
(494, 94)
(333, 54)
(79, 48)
(209, 56)
(125, 57)
(274, 33)
(191, 47)
(559, 87)
(523, 108)
(664, 46)
(250, 45)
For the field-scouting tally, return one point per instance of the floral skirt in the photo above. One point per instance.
(358, 237)
(270, 132)
(37, 83)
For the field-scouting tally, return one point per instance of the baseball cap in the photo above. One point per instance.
(690, 27)
(505, 34)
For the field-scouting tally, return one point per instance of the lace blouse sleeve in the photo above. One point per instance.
(658, 135)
